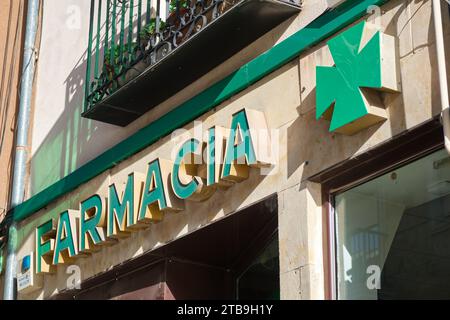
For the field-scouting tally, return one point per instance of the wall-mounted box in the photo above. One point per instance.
(27, 280)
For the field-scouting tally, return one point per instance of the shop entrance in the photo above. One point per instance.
(234, 258)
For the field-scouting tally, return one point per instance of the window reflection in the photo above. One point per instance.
(261, 279)
(393, 234)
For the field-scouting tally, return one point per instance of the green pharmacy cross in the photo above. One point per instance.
(347, 93)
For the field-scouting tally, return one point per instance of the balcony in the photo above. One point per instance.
(141, 52)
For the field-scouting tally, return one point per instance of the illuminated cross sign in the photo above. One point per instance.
(199, 168)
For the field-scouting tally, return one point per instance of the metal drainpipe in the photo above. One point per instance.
(21, 153)
(442, 69)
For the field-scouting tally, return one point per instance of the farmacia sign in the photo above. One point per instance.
(199, 168)
(363, 57)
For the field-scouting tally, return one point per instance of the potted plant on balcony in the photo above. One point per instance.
(150, 29)
(149, 35)
(173, 19)
(202, 14)
(112, 70)
(222, 7)
(179, 21)
(109, 67)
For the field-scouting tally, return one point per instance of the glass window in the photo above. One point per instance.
(261, 279)
(393, 234)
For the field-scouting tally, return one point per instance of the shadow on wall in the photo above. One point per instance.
(416, 96)
(63, 149)
(418, 51)
(417, 101)
(73, 141)
(73, 133)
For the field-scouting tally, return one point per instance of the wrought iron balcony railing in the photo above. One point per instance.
(140, 52)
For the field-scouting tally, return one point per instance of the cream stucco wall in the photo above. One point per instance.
(287, 97)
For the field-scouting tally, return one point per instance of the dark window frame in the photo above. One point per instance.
(390, 155)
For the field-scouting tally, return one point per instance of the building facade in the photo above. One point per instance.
(235, 150)
(11, 48)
